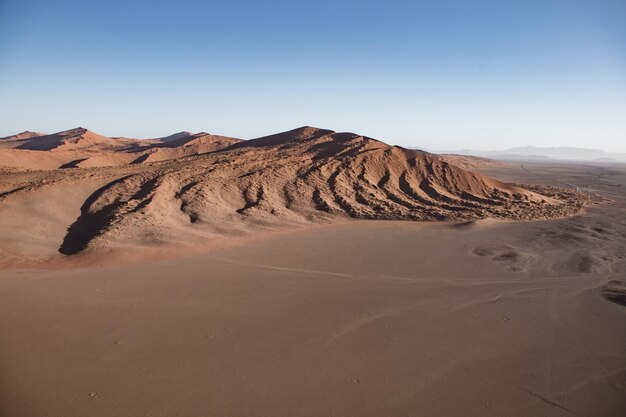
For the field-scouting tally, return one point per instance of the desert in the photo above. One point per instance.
(309, 272)
(338, 208)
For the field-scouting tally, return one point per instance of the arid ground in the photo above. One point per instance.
(368, 315)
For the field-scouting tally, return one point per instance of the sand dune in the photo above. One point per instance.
(22, 135)
(300, 177)
(471, 162)
(196, 144)
(73, 139)
(188, 286)
(81, 148)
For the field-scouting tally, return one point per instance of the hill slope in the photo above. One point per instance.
(81, 148)
(299, 177)
(22, 135)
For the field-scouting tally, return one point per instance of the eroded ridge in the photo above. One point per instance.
(303, 176)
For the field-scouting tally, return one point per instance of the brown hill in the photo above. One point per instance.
(186, 146)
(75, 139)
(81, 148)
(299, 177)
(22, 135)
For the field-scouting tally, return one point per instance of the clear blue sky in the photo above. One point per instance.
(431, 74)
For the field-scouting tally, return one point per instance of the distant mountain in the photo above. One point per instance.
(541, 153)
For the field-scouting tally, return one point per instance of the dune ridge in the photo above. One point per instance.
(27, 134)
(470, 162)
(82, 148)
(303, 176)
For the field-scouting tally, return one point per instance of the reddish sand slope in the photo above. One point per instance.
(471, 162)
(22, 135)
(363, 318)
(300, 177)
(81, 148)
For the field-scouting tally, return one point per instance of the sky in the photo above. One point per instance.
(437, 75)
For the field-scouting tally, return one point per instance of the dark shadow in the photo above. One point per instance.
(41, 143)
(141, 159)
(615, 291)
(291, 136)
(89, 225)
(7, 193)
(73, 164)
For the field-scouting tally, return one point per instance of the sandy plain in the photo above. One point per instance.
(358, 318)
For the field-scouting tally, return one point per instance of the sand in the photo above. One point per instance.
(473, 163)
(284, 315)
(82, 148)
(299, 178)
